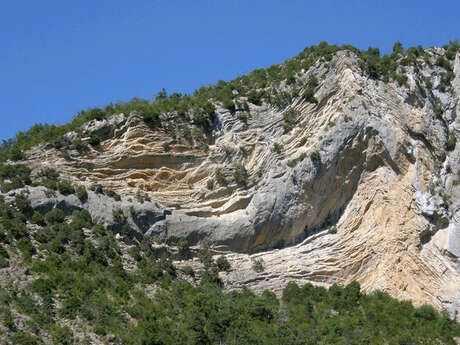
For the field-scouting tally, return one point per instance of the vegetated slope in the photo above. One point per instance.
(337, 165)
(67, 281)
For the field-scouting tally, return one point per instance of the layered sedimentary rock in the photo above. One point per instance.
(360, 188)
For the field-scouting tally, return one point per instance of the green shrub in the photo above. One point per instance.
(187, 134)
(16, 227)
(437, 108)
(22, 203)
(8, 319)
(277, 148)
(56, 215)
(26, 247)
(94, 140)
(125, 229)
(23, 338)
(62, 335)
(428, 83)
(37, 218)
(223, 264)
(58, 143)
(229, 104)
(98, 230)
(3, 253)
(258, 265)
(243, 117)
(166, 146)
(398, 48)
(98, 189)
(290, 78)
(426, 312)
(50, 184)
(451, 141)
(315, 157)
(65, 188)
(140, 197)
(112, 194)
(4, 263)
(3, 236)
(205, 257)
(18, 174)
(220, 178)
(255, 97)
(81, 193)
(401, 79)
(280, 99)
(188, 270)
(118, 216)
(452, 50)
(95, 114)
(209, 109)
(289, 117)
(17, 155)
(309, 93)
(151, 117)
(80, 146)
(81, 219)
(293, 162)
(446, 78)
(56, 246)
(135, 253)
(210, 184)
(183, 246)
(442, 62)
(240, 175)
(49, 173)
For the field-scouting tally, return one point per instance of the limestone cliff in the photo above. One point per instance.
(359, 186)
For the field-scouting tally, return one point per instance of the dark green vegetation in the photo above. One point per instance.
(289, 118)
(177, 114)
(76, 271)
(13, 177)
(315, 157)
(240, 175)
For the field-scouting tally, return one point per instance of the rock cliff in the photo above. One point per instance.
(360, 185)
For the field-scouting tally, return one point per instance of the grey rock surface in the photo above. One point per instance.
(139, 216)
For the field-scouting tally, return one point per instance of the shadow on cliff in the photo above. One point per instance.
(327, 193)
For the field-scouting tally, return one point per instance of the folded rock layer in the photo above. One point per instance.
(360, 187)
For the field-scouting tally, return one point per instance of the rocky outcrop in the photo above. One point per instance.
(104, 210)
(361, 188)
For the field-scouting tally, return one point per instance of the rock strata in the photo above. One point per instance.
(361, 187)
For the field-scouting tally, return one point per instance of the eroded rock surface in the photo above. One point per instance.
(362, 188)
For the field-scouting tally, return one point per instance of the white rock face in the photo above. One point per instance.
(381, 206)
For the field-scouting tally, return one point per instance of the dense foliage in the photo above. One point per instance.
(276, 85)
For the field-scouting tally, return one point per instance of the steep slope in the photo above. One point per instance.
(352, 178)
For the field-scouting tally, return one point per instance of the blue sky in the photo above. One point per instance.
(58, 57)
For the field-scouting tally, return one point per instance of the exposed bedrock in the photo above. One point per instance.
(360, 186)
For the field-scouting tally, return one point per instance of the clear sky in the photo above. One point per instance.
(59, 56)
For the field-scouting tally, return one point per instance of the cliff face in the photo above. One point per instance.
(359, 186)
